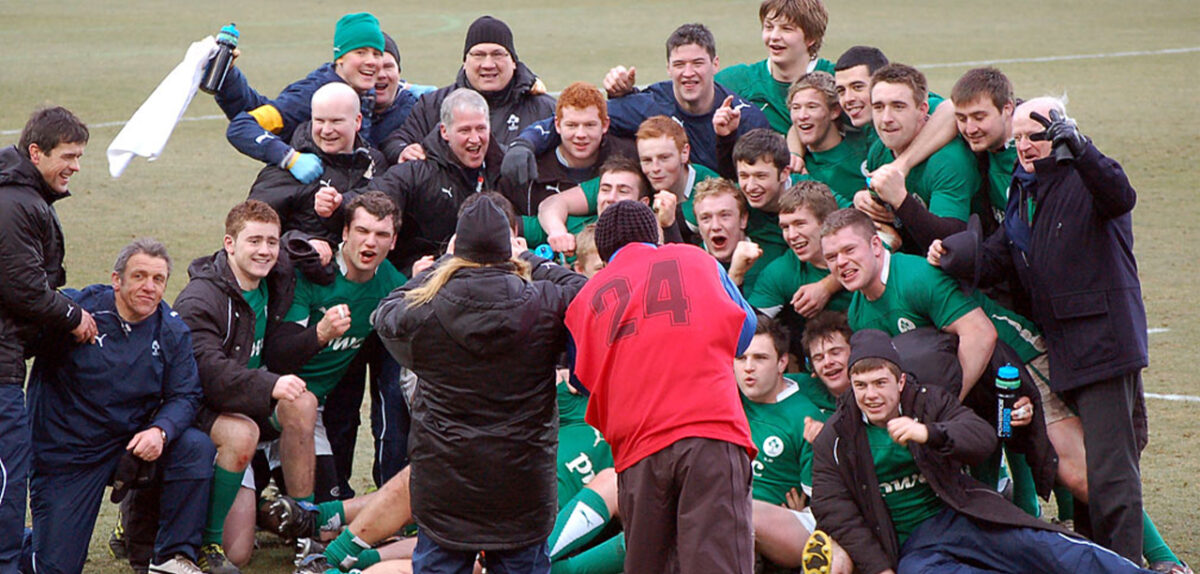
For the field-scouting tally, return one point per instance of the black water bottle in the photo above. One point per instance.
(1008, 380)
(218, 66)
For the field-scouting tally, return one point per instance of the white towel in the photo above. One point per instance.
(148, 130)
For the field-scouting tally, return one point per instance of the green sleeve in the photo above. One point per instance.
(878, 156)
(532, 231)
(591, 190)
(771, 287)
(938, 293)
(301, 300)
(952, 180)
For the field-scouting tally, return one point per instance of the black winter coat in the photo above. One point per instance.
(222, 325)
(429, 193)
(31, 264)
(484, 422)
(1079, 268)
(293, 200)
(510, 109)
(846, 499)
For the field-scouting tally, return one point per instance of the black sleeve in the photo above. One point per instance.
(290, 347)
(726, 167)
(923, 226)
(25, 289)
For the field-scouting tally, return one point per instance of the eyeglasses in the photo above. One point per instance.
(495, 55)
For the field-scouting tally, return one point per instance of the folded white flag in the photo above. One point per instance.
(148, 130)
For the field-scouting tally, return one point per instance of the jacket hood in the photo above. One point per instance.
(522, 81)
(215, 268)
(482, 310)
(16, 169)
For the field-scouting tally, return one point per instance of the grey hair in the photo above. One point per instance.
(459, 99)
(143, 245)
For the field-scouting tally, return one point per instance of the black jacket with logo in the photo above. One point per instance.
(429, 193)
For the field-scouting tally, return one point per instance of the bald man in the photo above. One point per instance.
(333, 136)
(1068, 237)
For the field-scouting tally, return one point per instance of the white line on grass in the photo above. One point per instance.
(1156, 330)
(942, 65)
(1063, 58)
(1180, 398)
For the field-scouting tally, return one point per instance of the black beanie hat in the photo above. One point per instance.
(872, 343)
(488, 30)
(390, 47)
(483, 234)
(622, 223)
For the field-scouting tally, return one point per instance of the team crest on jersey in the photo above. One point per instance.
(514, 122)
(154, 349)
(904, 325)
(773, 446)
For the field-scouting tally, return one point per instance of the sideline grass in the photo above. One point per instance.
(101, 59)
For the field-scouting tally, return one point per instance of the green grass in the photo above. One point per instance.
(101, 59)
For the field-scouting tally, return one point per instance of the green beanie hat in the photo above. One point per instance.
(354, 31)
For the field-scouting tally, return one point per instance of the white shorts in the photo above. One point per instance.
(806, 518)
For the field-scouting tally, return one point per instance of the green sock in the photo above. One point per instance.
(347, 545)
(225, 486)
(577, 523)
(1066, 503)
(988, 471)
(1154, 548)
(608, 557)
(331, 515)
(1024, 491)
(367, 558)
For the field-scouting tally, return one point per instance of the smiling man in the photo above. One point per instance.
(934, 198)
(129, 398)
(828, 157)
(33, 175)
(491, 68)
(581, 120)
(888, 483)
(761, 158)
(792, 32)
(461, 159)
(690, 97)
(350, 165)
(797, 285)
(262, 128)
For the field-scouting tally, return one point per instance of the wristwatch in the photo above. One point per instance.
(164, 435)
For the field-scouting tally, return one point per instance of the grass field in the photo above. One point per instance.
(1128, 68)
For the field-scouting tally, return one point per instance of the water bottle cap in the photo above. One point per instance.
(230, 32)
(1008, 377)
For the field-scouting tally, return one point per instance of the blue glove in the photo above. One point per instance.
(305, 167)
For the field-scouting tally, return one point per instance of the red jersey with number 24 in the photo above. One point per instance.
(656, 335)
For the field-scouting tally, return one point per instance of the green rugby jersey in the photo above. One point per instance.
(777, 430)
(754, 83)
(323, 371)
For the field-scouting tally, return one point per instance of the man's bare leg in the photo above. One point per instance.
(297, 419)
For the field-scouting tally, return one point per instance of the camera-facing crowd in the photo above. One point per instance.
(791, 316)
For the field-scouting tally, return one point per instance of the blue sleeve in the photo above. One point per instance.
(251, 139)
(627, 113)
(236, 95)
(752, 117)
(542, 134)
(751, 321)
(181, 382)
(572, 351)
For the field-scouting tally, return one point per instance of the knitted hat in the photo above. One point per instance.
(872, 343)
(483, 234)
(354, 31)
(390, 47)
(488, 30)
(622, 223)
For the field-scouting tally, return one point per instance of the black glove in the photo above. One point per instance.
(520, 163)
(1068, 142)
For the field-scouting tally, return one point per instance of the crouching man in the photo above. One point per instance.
(126, 400)
(888, 483)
